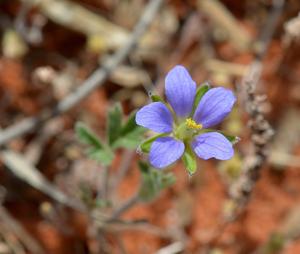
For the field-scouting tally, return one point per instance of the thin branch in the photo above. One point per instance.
(21, 168)
(125, 163)
(123, 208)
(261, 131)
(31, 244)
(95, 80)
(141, 226)
(105, 183)
(35, 148)
(120, 243)
(74, 16)
(223, 19)
(173, 248)
(269, 29)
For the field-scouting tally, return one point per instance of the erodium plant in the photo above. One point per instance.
(183, 126)
(183, 122)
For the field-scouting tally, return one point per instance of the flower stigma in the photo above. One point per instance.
(187, 130)
(190, 123)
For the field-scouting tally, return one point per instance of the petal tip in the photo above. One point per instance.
(156, 117)
(180, 90)
(213, 145)
(165, 151)
(214, 106)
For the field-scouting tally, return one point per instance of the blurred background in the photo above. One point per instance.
(49, 47)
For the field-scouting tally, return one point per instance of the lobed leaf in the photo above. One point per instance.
(114, 123)
(87, 136)
(130, 134)
(104, 156)
(97, 150)
(153, 182)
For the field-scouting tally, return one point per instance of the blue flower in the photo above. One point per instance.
(183, 125)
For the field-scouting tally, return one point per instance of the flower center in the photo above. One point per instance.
(187, 130)
(190, 123)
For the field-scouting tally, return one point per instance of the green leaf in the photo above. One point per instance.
(130, 125)
(102, 203)
(156, 98)
(86, 136)
(131, 140)
(199, 94)
(104, 156)
(189, 160)
(86, 194)
(130, 134)
(97, 150)
(146, 145)
(153, 182)
(275, 244)
(167, 180)
(144, 167)
(232, 139)
(114, 123)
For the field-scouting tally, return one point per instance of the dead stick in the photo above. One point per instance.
(95, 80)
(261, 131)
(31, 244)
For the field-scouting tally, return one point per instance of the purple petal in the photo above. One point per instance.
(212, 145)
(165, 151)
(156, 117)
(214, 106)
(180, 90)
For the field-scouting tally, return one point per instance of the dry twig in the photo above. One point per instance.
(28, 173)
(123, 169)
(223, 19)
(124, 207)
(261, 131)
(15, 227)
(95, 80)
(173, 248)
(106, 34)
(292, 30)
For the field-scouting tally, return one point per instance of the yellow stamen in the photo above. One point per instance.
(190, 123)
